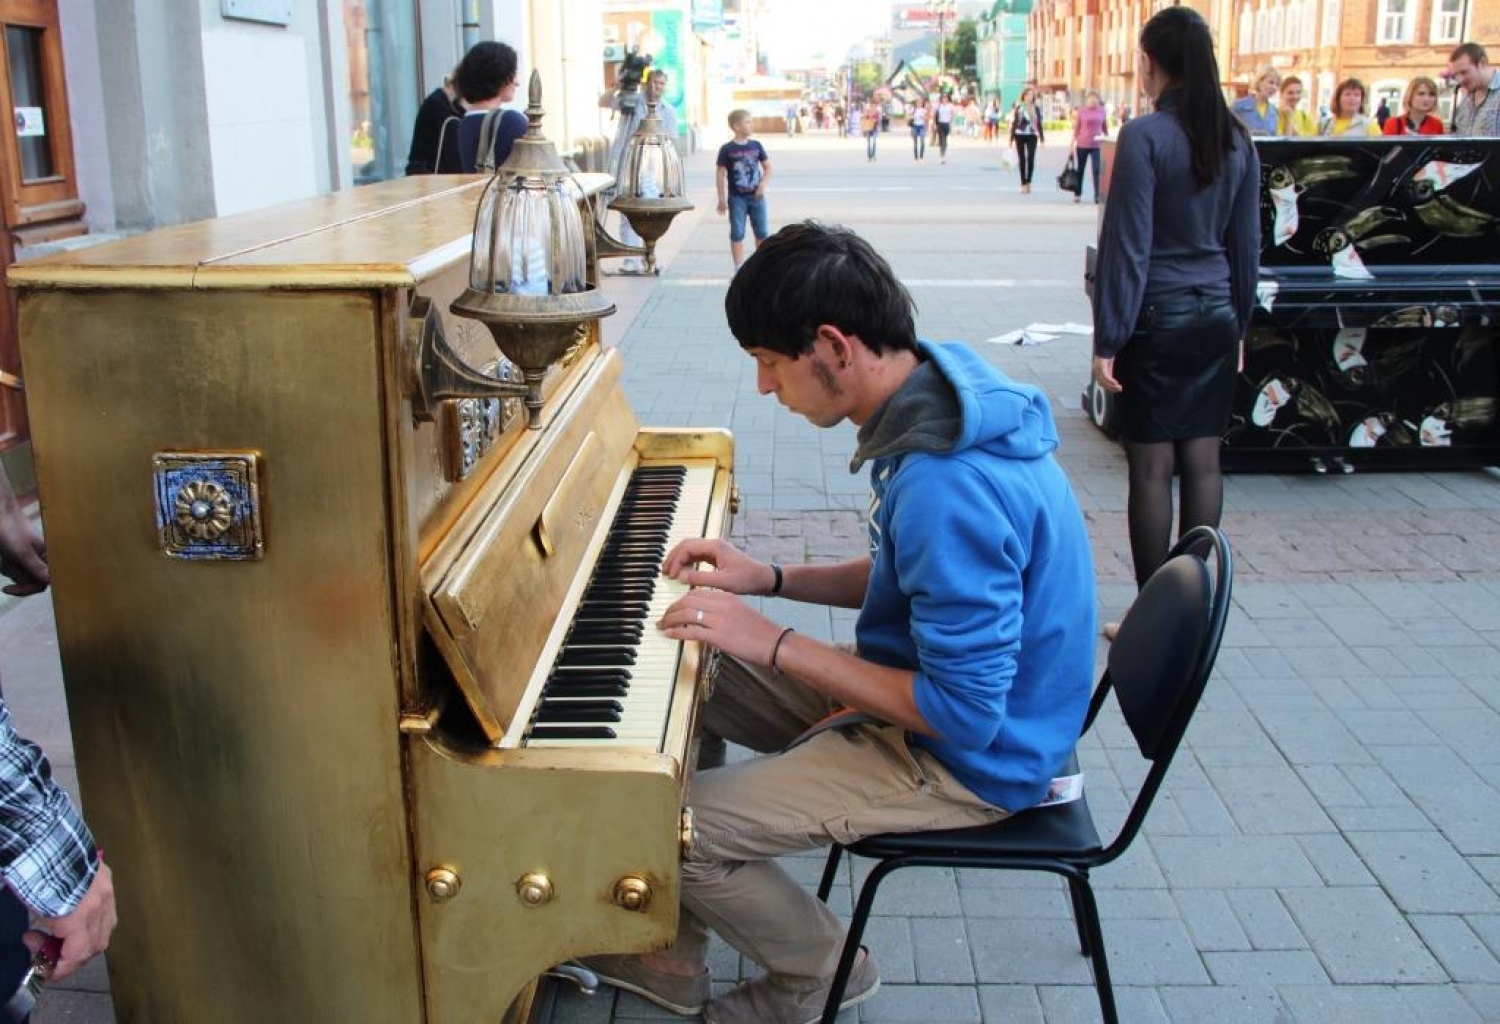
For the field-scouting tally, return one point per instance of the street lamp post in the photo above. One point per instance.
(942, 8)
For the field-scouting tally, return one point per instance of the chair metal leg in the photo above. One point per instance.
(830, 871)
(1084, 945)
(1084, 895)
(862, 910)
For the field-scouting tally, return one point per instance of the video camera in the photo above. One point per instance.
(632, 71)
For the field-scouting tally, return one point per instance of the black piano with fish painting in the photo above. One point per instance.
(1375, 340)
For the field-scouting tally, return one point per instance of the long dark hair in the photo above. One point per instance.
(1178, 41)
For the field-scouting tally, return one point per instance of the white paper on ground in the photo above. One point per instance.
(1035, 334)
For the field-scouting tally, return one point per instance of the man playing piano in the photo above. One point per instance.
(973, 661)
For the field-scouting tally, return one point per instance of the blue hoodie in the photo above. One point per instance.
(982, 579)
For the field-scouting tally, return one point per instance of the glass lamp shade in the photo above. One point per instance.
(529, 237)
(653, 170)
(529, 264)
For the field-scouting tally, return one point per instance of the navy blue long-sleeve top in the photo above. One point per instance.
(1163, 236)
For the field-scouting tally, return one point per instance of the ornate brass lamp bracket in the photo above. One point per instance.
(440, 373)
(608, 246)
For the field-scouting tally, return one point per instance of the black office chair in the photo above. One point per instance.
(1158, 666)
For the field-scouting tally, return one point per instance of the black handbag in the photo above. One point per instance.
(1070, 180)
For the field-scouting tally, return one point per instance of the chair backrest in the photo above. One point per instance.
(1164, 653)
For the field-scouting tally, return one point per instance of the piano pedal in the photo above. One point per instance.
(1319, 466)
(586, 980)
(1341, 465)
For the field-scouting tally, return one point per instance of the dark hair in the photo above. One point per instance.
(1178, 42)
(1473, 51)
(1338, 96)
(487, 68)
(810, 274)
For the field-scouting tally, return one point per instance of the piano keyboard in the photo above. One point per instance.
(612, 681)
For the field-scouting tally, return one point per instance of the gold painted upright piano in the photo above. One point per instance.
(365, 719)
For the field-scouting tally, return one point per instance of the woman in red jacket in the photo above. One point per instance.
(1417, 108)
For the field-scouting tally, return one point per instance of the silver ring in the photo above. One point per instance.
(700, 616)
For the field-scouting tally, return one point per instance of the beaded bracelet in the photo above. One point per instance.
(776, 649)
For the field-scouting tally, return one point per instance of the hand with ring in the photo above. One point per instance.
(723, 620)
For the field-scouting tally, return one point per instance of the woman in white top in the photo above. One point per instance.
(917, 120)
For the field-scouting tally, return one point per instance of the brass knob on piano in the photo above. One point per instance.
(632, 893)
(685, 836)
(443, 884)
(535, 889)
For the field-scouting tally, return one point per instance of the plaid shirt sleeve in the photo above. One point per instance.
(47, 853)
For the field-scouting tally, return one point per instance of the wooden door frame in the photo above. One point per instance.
(35, 211)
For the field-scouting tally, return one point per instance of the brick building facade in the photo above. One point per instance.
(1091, 44)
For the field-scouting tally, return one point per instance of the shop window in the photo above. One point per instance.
(384, 90)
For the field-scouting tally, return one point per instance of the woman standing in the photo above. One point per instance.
(1416, 110)
(869, 125)
(942, 119)
(918, 123)
(1088, 126)
(1258, 108)
(1348, 116)
(992, 120)
(1026, 133)
(1291, 119)
(1178, 258)
(434, 138)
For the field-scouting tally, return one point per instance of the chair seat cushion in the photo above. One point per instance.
(1062, 830)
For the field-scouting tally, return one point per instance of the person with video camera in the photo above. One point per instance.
(634, 89)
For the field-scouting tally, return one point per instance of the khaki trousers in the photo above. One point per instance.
(840, 785)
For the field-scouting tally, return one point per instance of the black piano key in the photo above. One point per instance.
(564, 688)
(622, 609)
(597, 657)
(572, 732)
(595, 622)
(619, 673)
(581, 703)
(581, 711)
(586, 633)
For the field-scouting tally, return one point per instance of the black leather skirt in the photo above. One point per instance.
(1178, 370)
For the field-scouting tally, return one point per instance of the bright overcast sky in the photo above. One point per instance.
(799, 33)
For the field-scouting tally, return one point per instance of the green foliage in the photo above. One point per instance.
(960, 49)
(867, 77)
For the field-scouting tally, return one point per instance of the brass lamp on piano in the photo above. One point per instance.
(401, 735)
(528, 276)
(652, 190)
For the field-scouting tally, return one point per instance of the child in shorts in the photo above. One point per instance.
(743, 172)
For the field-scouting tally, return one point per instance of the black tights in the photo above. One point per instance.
(1200, 493)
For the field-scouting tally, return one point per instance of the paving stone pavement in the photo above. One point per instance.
(1327, 845)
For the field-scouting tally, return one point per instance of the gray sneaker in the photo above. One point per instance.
(763, 1000)
(680, 994)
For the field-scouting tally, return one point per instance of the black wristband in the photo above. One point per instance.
(776, 649)
(778, 579)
